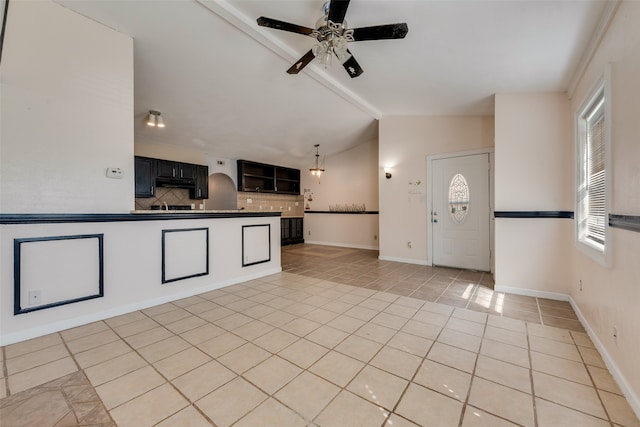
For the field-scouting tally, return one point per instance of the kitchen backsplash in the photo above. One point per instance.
(263, 202)
(173, 196)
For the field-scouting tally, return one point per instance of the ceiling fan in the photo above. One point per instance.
(333, 34)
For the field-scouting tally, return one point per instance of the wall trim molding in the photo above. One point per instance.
(627, 391)
(64, 218)
(533, 214)
(531, 293)
(626, 222)
(343, 213)
(49, 328)
(340, 245)
(405, 260)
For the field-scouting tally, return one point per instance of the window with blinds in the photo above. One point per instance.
(592, 209)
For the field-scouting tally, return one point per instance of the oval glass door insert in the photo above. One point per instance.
(458, 198)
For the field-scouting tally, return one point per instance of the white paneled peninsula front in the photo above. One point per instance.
(60, 271)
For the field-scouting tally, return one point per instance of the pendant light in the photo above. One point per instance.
(317, 170)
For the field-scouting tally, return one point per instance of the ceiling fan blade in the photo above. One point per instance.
(381, 32)
(302, 62)
(284, 26)
(337, 10)
(352, 67)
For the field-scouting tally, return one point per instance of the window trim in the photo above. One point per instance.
(600, 253)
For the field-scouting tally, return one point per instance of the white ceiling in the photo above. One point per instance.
(220, 81)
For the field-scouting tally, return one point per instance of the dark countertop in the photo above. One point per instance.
(53, 218)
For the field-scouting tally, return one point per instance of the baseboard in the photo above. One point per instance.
(531, 293)
(405, 260)
(627, 391)
(117, 311)
(340, 245)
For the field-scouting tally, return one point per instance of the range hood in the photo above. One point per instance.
(175, 183)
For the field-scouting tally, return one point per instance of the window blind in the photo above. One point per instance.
(595, 173)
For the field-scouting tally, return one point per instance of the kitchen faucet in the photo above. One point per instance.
(166, 206)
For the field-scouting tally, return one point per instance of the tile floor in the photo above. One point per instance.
(292, 349)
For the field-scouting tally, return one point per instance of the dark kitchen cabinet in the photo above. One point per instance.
(176, 170)
(260, 177)
(291, 231)
(145, 177)
(201, 188)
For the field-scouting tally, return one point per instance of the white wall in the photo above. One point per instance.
(533, 172)
(351, 177)
(610, 295)
(67, 113)
(404, 144)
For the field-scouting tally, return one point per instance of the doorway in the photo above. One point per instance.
(460, 210)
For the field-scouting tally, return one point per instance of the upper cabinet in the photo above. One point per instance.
(260, 177)
(151, 173)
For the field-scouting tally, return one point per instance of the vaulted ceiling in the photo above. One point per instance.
(220, 82)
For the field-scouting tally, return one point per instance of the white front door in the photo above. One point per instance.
(460, 213)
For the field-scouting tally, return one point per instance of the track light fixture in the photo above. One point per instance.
(154, 119)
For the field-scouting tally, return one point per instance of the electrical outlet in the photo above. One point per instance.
(409, 245)
(249, 201)
(375, 237)
(580, 285)
(35, 297)
(309, 232)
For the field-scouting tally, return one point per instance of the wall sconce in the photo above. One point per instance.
(154, 119)
(387, 172)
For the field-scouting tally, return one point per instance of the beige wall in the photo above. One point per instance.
(533, 172)
(67, 113)
(404, 144)
(351, 177)
(610, 296)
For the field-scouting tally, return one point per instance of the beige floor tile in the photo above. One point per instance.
(3, 388)
(591, 357)
(337, 368)
(582, 339)
(552, 415)
(428, 408)
(410, 301)
(36, 358)
(129, 386)
(114, 368)
(466, 326)
(359, 348)
(82, 331)
(231, 402)
(604, 380)
(150, 408)
(397, 421)
(271, 413)
(276, 340)
(160, 309)
(410, 343)
(189, 301)
(349, 410)
(148, 337)
(469, 315)
(303, 353)
(460, 340)
(346, 323)
(317, 301)
(431, 318)
(550, 332)
(437, 308)
(555, 348)
(361, 313)
(507, 323)
(233, 321)
(559, 367)
(253, 330)
(272, 374)
(390, 320)
(474, 417)
(185, 324)
(423, 330)
(307, 394)
(374, 304)
(41, 374)
(619, 409)
(396, 361)
(300, 326)
(91, 341)
(221, 344)
(244, 357)
(101, 354)
(507, 336)
(505, 352)
(398, 309)
(24, 347)
(321, 315)
(203, 333)
(188, 417)
(117, 321)
(443, 379)
(453, 357)
(258, 311)
(278, 318)
(180, 363)
(299, 309)
(203, 380)
(162, 349)
(567, 393)
(378, 387)
(327, 336)
(504, 373)
(377, 333)
(491, 397)
(385, 296)
(216, 314)
(136, 327)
